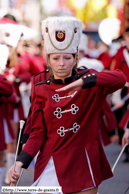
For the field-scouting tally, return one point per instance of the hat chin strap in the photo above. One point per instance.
(65, 71)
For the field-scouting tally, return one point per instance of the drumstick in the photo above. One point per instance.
(118, 157)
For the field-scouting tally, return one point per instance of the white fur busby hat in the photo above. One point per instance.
(61, 34)
(9, 34)
(83, 43)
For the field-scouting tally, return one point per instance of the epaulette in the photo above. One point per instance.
(43, 82)
(44, 71)
(82, 72)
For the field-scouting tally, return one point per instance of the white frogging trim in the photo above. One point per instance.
(73, 110)
(62, 130)
(57, 98)
(90, 168)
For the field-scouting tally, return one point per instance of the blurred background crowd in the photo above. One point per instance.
(104, 46)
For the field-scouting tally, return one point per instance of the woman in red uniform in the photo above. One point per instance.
(16, 71)
(64, 121)
(6, 90)
(6, 94)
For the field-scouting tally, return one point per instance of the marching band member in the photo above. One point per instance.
(34, 64)
(104, 56)
(16, 71)
(107, 125)
(121, 61)
(6, 90)
(64, 121)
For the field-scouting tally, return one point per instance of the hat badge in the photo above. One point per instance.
(60, 36)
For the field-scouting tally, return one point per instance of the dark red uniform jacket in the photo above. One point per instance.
(33, 63)
(124, 120)
(107, 124)
(106, 59)
(66, 128)
(6, 90)
(121, 63)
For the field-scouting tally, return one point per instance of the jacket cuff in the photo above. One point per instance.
(89, 80)
(25, 158)
(25, 138)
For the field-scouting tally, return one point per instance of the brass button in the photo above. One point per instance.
(85, 76)
(89, 75)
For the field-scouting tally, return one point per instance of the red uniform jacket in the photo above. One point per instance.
(107, 124)
(124, 121)
(66, 128)
(6, 90)
(33, 63)
(106, 59)
(121, 63)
